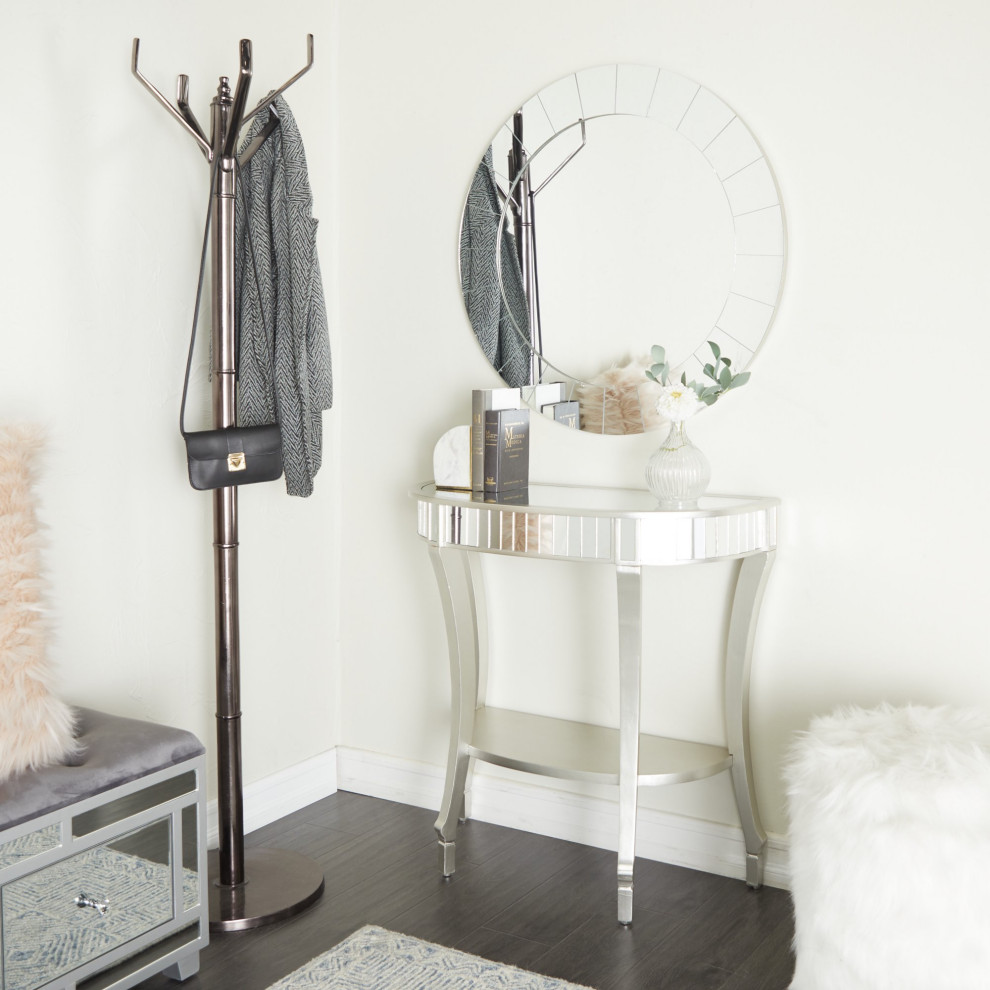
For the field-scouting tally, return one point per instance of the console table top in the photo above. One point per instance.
(617, 525)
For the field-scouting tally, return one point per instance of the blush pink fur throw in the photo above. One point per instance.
(35, 727)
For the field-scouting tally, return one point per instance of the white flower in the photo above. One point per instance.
(678, 402)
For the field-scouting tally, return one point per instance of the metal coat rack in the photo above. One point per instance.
(263, 885)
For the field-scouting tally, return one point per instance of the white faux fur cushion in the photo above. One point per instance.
(890, 850)
(36, 728)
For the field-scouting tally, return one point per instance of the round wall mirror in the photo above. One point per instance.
(621, 207)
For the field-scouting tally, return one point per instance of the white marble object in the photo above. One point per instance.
(452, 460)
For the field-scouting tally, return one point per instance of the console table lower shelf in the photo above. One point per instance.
(556, 747)
(626, 529)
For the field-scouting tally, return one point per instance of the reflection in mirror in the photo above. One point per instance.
(190, 857)
(621, 207)
(498, 310)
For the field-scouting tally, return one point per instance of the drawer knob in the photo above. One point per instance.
(88, 902)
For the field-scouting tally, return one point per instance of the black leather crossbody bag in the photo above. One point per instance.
(236, 455)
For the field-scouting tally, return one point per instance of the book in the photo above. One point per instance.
(544, 394)
(483, 399)
(506, 450)
(568, 413)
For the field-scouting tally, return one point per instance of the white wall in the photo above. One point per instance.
(864, 414)
(104, 203)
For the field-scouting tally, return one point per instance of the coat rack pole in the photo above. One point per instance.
(259, 886)
(230, 790)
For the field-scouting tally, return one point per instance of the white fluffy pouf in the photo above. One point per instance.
(890, 850)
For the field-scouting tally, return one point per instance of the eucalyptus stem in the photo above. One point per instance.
(723, 379)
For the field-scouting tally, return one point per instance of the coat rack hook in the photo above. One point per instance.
(200, 140)
(236, 117)
(182, 100)
(278, 92)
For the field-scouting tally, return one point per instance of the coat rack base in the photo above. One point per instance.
(278, 884)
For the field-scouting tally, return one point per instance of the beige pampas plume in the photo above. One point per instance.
(36, 728)
(620, 400)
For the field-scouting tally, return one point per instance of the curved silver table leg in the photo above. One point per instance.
(750, 585)
(453, 574)
(630, 597)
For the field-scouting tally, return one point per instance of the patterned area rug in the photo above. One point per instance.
(376, 959)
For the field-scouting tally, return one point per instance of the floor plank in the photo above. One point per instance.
(526, 900)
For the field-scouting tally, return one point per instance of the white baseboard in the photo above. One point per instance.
(280, 794)
(515, 801)
(535, 805)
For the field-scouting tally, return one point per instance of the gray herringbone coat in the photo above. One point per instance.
(283, 370)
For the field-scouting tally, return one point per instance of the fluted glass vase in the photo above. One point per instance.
(677, 473)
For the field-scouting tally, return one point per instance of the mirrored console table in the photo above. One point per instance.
(626, 529)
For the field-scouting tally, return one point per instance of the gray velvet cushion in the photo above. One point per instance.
(113, 750)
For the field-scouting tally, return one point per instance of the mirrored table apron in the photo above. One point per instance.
(624, 528)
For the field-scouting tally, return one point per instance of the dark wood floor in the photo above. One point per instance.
(539, 903)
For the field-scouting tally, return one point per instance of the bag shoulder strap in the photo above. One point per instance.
(199, 296)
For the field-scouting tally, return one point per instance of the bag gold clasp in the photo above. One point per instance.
(237, 462)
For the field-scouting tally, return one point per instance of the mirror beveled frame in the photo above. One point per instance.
(725, 143)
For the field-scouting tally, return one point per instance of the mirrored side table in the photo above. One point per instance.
(623, 528)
